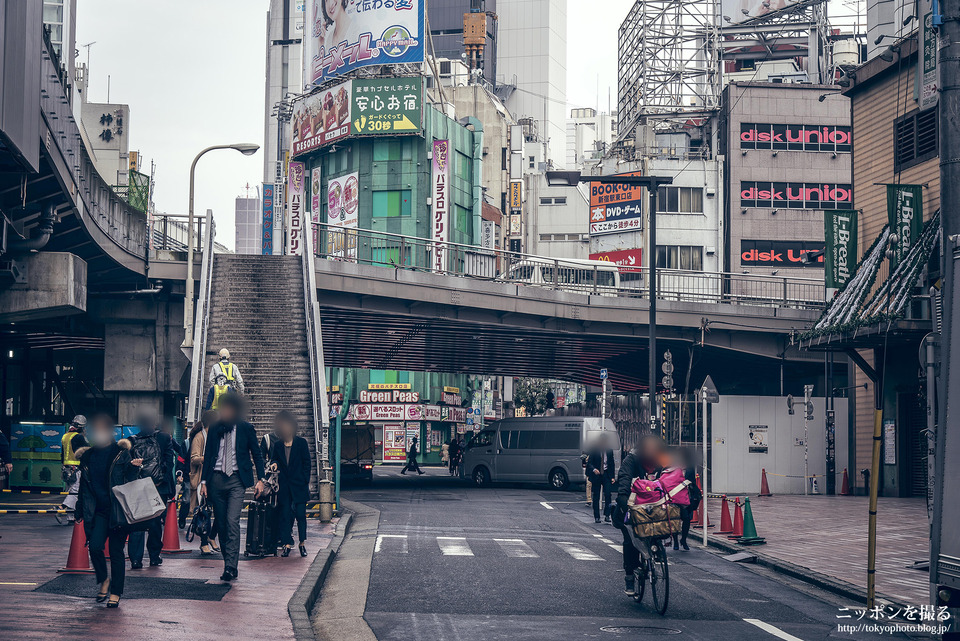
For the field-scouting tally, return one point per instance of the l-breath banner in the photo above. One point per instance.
(840, 232)
(905, 212)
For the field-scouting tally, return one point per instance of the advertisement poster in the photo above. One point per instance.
(928, 73)
(516, 195)
(795, 195)
(780, 253)
(514, 224)
(387, 105)
(441, 201)
(905, 212)
(840, 256)
(838, 139)
(350, 34)
(343, 194)
(889, 441)
(296, 183)
(266, 233)
(758, 439)
(321, 118)
(394, 442)
(621, 257)
(616, 208)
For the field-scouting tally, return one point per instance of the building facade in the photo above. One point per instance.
(589, 136)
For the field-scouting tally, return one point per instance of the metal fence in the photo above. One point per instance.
(368, 247)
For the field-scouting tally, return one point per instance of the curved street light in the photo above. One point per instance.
(245, 148)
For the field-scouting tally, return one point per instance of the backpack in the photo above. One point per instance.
(148, 449)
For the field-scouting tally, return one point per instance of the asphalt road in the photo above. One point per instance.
(456, 562)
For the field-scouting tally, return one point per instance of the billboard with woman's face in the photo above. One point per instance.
(343, 35)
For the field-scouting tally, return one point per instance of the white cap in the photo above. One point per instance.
(224, 353)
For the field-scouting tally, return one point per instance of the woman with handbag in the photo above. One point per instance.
(198, 441)
(292, 456)
(104, 465)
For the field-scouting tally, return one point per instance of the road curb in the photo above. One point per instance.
(301, 603)
(817, 579)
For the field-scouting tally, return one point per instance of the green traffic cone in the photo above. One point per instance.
(749, 527)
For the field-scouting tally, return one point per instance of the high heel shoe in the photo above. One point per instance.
(286, 551)
(303, 550)
(104, 591)
(113, 604)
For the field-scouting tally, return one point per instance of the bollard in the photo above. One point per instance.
(816, 488)
(326, 500)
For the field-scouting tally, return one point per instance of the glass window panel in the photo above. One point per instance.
(672, 257)
(696, 263)
(673, 197)
(380, 206)
(696, 202)
(685, 199)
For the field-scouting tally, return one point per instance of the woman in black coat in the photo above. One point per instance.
(104, 465)
(292, 456)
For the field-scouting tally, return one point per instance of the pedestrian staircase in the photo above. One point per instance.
(263, 309)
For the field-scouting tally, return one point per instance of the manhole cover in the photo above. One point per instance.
(638, 629)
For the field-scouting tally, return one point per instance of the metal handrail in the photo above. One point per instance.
(321, 416)
(198, 359)
(410, 253)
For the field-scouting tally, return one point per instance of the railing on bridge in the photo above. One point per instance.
(384, 249)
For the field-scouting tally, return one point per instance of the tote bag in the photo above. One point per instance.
(139, 500)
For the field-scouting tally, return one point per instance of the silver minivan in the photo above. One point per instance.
(536, 450)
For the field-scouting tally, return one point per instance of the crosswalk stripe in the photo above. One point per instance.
(516, 548)
(454, 546)
(401, 538)
(578, 552)
(618, 548)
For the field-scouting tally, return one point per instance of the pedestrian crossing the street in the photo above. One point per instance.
(587, 550)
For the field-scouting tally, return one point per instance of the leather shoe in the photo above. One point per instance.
(136, 566)
(233, 572)
(226, 576)
(303, 550)
(156, 561)
(286, 551)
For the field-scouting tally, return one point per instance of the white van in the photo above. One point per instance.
(536, 450)
(586, 276)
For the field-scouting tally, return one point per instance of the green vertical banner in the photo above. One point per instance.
(840, 253)
(905, 212)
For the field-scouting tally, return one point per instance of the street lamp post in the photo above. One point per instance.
(652, 183)
(247, 149)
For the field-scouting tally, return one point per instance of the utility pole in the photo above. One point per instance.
(807, 415)
(944, 541)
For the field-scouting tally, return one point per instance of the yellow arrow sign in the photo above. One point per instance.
(403, 124)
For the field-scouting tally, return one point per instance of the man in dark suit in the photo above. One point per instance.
(601, 471)
(229, 459)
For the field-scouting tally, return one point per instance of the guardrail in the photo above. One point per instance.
(384, 249)
(318, 382)
(198, 360)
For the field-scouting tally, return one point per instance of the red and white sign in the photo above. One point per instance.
(621, 257)
(441, 201)
(414, 412)
(454, 414)
(431, 412)
(296, 222)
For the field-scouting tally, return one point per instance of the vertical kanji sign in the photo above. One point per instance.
(441, 201)
(295, 210)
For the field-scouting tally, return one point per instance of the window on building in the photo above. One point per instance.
(388, 376)
(915, 139)
(546, 201)
(392, 203)
(503, 158)
(465, 167)
(560, 200)
(680, 257)
(532, 161)
(680, 200)
(463, 219)
(384, 150)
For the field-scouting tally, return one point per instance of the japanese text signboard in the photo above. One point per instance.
(266, 232)
(387, 106)
(615, 208)
(296, 222)
(441, 201)
(321, 118)
(905, 211)
(350, 34)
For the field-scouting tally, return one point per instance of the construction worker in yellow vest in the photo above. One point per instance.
(220, 387)
(72, 441)
(228, 369)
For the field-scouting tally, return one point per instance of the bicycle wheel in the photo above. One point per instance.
(639, 583)
(659, 578)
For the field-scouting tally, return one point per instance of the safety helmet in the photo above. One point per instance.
(224, 353)
(79, 421)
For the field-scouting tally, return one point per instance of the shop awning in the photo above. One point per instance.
(855, 311)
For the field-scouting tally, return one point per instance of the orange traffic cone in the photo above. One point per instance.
(726, 525)
(845, 486)
(764, 487)
(171, 533)
(737, 520)
(77, 560)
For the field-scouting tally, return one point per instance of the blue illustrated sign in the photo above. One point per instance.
(348, 34)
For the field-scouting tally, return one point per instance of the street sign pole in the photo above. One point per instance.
(807, 393)
(603, 407)
(703, 502)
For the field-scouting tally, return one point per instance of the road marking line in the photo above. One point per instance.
(15, 583)
(401, 537)
(516, 548)
(578, 552)
(618, 548)
(775, 631)
(546, 505)
(454, 546)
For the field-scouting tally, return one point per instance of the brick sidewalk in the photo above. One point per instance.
(182, 599)
(828, 534)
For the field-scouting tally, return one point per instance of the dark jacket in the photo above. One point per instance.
(5, 456)
(595, 463)
(295, 476)
(247, 448)
(166, 487)
(413, 453)
(121, 471)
